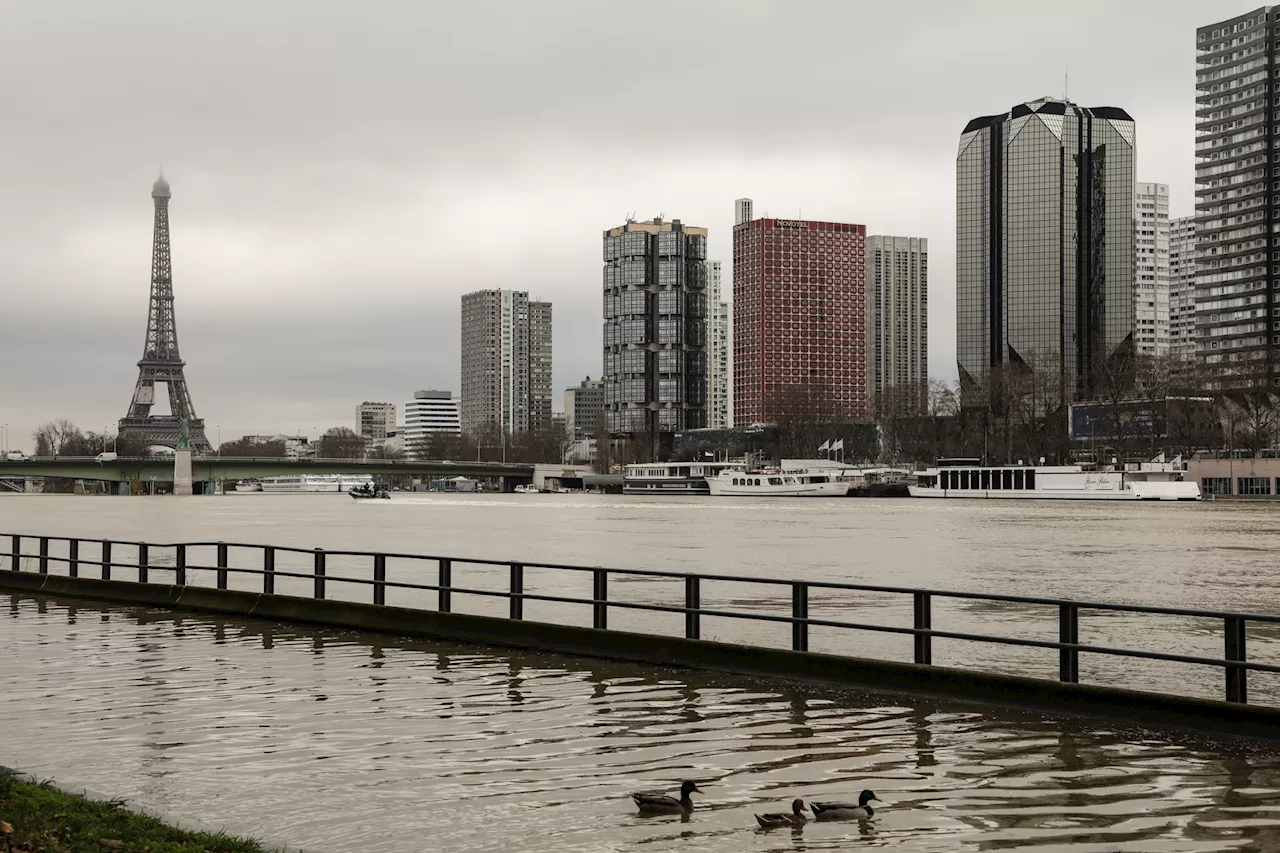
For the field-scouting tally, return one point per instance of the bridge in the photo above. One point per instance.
(215, 468)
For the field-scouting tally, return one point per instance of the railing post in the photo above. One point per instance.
(222, 565)
(73, 558)
(106, 559)
(268, 570)
(517, 591)
(924, 622)
(800, 610)
(1069, 632)
(180, 566)
(142, 563)
(600, 592)
(319, 591)
(1237, 679)
(446, 581)
(17, 554)
(379, 578)
(692, 604)
(44, 555)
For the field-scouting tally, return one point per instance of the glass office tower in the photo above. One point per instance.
(1044, 246)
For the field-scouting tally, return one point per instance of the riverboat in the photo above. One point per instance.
(672, 478)
(777, 483)
(310, 483)
(250, 485)
(1157, 480)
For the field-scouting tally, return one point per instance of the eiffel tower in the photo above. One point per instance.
(160, 359)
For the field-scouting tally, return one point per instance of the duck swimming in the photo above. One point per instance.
(652, 804)
(777, 819)
(860, 810)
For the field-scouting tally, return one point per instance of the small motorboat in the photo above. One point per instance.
(367, 494)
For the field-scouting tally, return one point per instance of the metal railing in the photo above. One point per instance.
(1234, 663)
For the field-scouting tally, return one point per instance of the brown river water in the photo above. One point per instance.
(331, 741)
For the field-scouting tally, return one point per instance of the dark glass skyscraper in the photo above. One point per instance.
(655, 336)
(1237, 195)
(1044, 246)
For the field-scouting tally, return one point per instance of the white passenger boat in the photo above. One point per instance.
(672, 478)
(309, 483)
(778, 483)
(250, 485)
(1134, 481)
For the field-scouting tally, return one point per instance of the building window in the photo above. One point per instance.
(1216, 485)
(1253, 485)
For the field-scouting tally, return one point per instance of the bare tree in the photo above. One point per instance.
(806, 415)
(52, 438)
(245, 447)
(340, 443)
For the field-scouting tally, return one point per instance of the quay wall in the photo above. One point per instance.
(903, 678)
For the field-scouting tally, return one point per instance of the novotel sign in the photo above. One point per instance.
(789, 223)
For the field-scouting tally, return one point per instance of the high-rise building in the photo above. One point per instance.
(655, 329)
(898, 312)
(582, 408)
(719, 409)
(1182, 287)
(539, 365)
(1151, 276)
(506, 362)
(1044, 246)
(375, 421)
(799, 319)
(742, 211)
(429, 413)
(1236, 213)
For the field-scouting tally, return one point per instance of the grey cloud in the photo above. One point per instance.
(343, 173)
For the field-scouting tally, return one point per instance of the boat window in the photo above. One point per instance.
(995, 479)
(735, 481)
(965, 479)
(1018, 482)
(775, 481)
(986, 479)
(1031, 479)
(948, 482)
(1007, 476)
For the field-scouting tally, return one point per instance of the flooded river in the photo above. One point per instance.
(337, 742)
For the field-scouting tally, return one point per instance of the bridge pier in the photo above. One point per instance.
(182, 471)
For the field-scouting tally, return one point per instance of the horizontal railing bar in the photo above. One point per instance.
(478, 561)
(764, 617)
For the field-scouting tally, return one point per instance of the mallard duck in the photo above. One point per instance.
(777, 819)
(662, 804)
(860, 810)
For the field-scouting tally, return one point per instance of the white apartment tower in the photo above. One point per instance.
(1151, 273)
(429, 413)
(1237, 235)
(506, 362)
(719, 358)
(1182, 287)
(897, 312)
(742, 211)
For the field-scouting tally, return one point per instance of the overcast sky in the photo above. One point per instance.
(343, 172)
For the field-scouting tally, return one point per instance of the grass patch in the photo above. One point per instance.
(38, 818)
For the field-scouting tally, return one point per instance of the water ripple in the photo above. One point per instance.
(334, 741)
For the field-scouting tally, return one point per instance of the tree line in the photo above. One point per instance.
(1141, 406)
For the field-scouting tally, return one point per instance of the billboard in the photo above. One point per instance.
(1108, 421)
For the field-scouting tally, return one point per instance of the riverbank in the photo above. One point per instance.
(41, 817)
